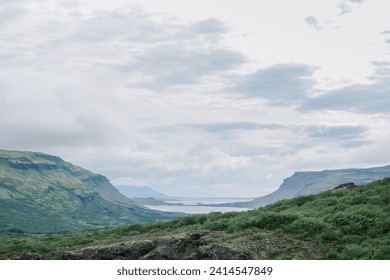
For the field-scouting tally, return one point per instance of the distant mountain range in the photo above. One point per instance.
(40, 193)
(140, 192)
(313, 182)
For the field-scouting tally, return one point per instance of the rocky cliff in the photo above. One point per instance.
(313, 182)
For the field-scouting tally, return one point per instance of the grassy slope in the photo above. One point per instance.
(343, 224)
(41, 193)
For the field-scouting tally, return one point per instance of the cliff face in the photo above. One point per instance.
(305, 183)
(41, 193)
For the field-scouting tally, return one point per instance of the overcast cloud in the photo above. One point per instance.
(281, 83)
(362, 98)
(196, 99)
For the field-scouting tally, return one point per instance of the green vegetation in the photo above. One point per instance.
(345, 223)
(41, 193)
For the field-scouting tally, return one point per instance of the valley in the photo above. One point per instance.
(51, 209)
(342, 223)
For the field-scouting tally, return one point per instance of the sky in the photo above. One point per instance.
(198, 98)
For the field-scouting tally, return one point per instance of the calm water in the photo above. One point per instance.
(189, 205)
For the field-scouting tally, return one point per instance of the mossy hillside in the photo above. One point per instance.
(41, 193)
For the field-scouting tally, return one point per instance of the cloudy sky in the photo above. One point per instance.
(197, 98)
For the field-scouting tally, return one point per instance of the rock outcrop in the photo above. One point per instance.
(197, 246)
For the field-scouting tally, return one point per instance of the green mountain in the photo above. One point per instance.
(40, 193)
(347, 222)
(313, 182)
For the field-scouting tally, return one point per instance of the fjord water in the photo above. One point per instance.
(198, 205)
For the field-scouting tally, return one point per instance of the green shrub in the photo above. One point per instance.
(220, 225)
(299, 201)
(329, 235)
(354, 252)
(383, 225)
(357, 222)
(272, 220)
(189, 220)
(382, 253)
(307, 226)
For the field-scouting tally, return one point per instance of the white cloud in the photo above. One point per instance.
(313, 22)
(344, 8)
(357, 1)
